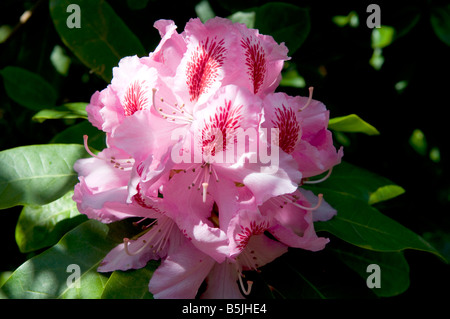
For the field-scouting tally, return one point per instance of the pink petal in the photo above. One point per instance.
(191, 214)
(324, 212)
(180, 275)
(222, 282)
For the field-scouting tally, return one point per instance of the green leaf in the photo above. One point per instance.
(394, 268)
(28, 89)
(74, 134)
(60, 60)
(42, 226)
(382, 36)
(364, 226)
(130, 284)
(351, 123)
(102, 39)
(291, 78)
(418, 142)
(440, 21)
(385, 193)
(360, 183)
(247, 18)
(351, 19)
(65, 111)
(37, 174)
(204, 11)
(377, 59)
(47, 275)
(285, 22)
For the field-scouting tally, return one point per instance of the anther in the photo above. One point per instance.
(205, 189)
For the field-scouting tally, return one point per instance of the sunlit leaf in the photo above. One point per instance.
(291, 78)
(377, 59)
(204, 11)
(247, 18)
(65, 111)
(435, 154)
(5, 31)
(418, 142)
(37, 174)
(102, 39)
(353, 124)
(47, 276)
(28, 89)
(42, 226)
(385, 193)
(131, 284)
(60, 60)
(351, 19)
(382, 37)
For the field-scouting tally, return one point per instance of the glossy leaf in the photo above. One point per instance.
(66, 111)
(28, 89)
(440, 21)
(291, 78)
(37, 174)
(364, 226)
(74, 134)
(394, 269)
(204, 11)
(360, 183)
(247, 18)
(47, 276)
(130, 284)
(384, 193)
(418, 142)
(43, 226)
(323, 276)
(352, 123)
(382, 37)
(285, 22)
(102, 39)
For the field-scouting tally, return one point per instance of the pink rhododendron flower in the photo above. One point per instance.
(208, 158)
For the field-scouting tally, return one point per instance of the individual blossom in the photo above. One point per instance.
(303, 131)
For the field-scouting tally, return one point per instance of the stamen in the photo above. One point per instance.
(249, 285)
(310, 208)
(319, 180)
(309, 99)
(215, 173)
(185, 117)
(85, 138)
(127, 251)
(161, 234)
(116, 163)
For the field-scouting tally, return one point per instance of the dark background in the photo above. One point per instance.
(333, 59)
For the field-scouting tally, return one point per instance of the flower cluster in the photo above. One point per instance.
(207, 158)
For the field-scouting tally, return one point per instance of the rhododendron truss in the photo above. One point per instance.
(207, 159)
